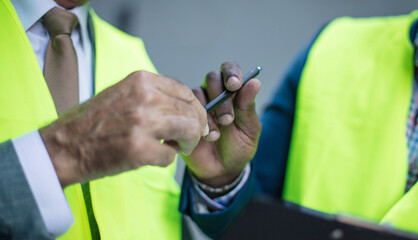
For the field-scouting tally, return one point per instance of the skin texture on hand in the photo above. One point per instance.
(121, 128)
(234, 128)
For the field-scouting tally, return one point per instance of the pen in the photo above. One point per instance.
(226, 94)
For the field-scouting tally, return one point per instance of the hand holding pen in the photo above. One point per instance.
(220, 86)
(226, 93)
(234, 126)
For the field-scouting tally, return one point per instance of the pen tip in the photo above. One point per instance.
(259, 68)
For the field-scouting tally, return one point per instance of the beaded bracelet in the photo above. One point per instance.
(218, 190)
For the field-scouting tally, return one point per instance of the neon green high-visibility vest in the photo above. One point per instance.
(348, 149)
(139, 204)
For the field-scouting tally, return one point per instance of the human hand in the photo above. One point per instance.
(122, 127)
(234, 128)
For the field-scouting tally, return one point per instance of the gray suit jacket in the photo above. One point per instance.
(19, 215)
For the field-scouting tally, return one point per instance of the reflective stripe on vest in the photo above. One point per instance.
(348, 149)
(140, 204)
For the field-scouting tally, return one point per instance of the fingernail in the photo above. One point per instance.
(232, 84)
(213, 136)
(206, 132)
(225, 119)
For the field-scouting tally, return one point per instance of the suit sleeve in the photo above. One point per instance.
(19, 214)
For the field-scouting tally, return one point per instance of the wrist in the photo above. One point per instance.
(218, 186)
(57, 146)
(218, 178)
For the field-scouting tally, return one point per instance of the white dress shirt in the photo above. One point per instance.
(31, 151)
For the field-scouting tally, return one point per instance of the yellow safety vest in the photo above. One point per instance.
(139, 204)
(348, 149)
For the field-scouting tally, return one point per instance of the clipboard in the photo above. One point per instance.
(272, 219)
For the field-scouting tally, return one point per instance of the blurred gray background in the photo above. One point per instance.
(187, 38)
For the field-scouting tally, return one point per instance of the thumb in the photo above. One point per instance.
(246, 117)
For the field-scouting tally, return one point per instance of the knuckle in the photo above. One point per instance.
(138, 149)
(136, 89)
(203, 115)
(193, 129)
(194, 114)
(213, 75)
(251, 107)
(142, 74)
(134, 141)
(130, 151)
(146, 122)
(197, 92)
(226, 107)
(200, 96)
(141, 77)
(189, 95)
(151, 123)
(136, 117)
(180, 108)
(230, 64)
(137, 83)
(231, 69)
(148, 97)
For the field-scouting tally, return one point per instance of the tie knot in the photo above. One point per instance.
(59, 21)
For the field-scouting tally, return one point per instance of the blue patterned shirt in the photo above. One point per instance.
(412, 128)
(412, 139)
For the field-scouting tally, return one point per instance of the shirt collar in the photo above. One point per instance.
(30, 11)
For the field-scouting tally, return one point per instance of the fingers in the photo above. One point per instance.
(240, 107)
(245, 97)
(166, 85)
(194, 110)
(185, 131)
(178, 91)
(213, 127)
(152, 152)
(168, 93)
(172, 112)
(245, 112)
(231, 75)
(214, 86)
(201, 114)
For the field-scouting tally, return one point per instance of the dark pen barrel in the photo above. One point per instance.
(226, 94)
